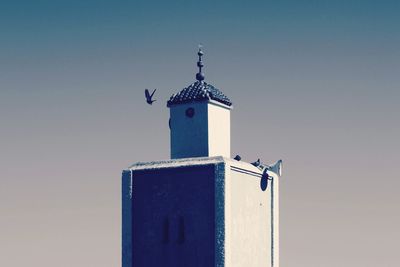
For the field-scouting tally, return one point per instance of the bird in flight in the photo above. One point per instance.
(149, 97)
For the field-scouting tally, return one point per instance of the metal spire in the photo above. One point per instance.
(200, 76)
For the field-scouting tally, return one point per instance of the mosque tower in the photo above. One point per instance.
(200, 208)
(200, 120)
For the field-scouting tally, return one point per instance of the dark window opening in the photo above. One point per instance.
(181, 231)
(166, 231)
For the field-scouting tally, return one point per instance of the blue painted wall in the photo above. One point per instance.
(173, 217)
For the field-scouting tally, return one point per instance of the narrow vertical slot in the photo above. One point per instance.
(181, 231)
(166, 231)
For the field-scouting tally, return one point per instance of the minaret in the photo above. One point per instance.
(200, 208)
(200, 120)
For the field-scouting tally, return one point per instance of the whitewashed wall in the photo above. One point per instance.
(219, 130)
(206, 134)
(252, 231)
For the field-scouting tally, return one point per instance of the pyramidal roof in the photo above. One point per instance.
(199, 91)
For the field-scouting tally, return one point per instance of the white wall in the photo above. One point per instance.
(206, 134)
(219, 131)
(248, 219)
(276, 218)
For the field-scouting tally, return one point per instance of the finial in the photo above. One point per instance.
(200, 76)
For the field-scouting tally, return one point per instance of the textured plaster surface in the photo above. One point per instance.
(221, 203)
(249, 220)
(189, 136)
(126, 218)
(173, 211)
(219, 131)
(206, 134)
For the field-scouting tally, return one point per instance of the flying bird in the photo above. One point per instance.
(149, 97)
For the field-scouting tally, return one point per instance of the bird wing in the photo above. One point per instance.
(153, 92)
(147, 94)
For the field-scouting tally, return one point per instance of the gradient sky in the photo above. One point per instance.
(315, 83)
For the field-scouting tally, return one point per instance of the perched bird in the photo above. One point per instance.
(149, 97)
(238, 158)
(257, 163)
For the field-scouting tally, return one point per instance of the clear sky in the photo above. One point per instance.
(315, 83)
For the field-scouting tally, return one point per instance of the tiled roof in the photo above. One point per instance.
(199, 91)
